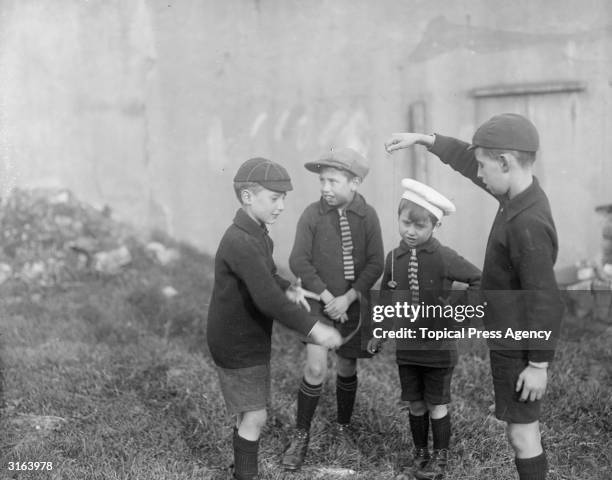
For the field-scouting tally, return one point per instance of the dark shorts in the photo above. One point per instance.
(356, 347)
(245, 389)
(508, 407)
(431, 384)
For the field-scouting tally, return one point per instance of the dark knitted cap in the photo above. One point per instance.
(508, 131)
(266, 173)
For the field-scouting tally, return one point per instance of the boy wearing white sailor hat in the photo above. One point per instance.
(427, 197)
(420, 271)
(518, 281)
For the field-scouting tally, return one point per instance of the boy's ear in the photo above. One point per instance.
(504, 162)
(355, 182)
(246, 196)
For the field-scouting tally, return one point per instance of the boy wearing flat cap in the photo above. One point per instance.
(421, 271)
(247, 295)
(338, 254)
(518, 281)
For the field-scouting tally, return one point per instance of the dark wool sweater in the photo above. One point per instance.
(317, 252)
(247, 295)
(518, 280)
(438, 267)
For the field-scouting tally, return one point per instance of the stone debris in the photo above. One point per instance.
(112, 261)
(169, 291)
(5, 272)
(47, 236)
(161, 253)
(39, 422)
(330, 472)
(589, 282)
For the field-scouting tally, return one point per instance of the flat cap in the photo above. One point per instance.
(343, 159)
(266, 173)
(507, 131)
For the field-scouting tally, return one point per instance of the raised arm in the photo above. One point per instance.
(449, 150)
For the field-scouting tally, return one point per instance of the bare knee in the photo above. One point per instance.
(256, 419)
(418, 408)
(346, 367)
(524, 439)
(252, 423)
(315, 371)
(437, 411)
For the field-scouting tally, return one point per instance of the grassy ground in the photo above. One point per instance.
(108, 379)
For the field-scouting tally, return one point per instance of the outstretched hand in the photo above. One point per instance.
(298, 295)
(407, 139)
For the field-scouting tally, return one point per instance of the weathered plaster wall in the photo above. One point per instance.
(150, 106)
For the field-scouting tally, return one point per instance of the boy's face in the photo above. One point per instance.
(414, 229)
(493, 172)
(263, 206)
(336, 189)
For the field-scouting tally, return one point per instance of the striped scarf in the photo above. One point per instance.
(347, 247)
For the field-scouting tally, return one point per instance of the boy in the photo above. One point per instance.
(247, 295)
(338, 254)
(521, 251)
(420, 272)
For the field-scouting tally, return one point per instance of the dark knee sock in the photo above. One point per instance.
(441, 432)
(346, 390)
(419, 426)
(308, 398)
(245, 457)
(534, 468)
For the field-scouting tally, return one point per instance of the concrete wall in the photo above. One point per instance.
(150, 106)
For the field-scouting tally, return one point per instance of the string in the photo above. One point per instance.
(392, 284)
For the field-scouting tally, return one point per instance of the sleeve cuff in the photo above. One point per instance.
(538, 356)
(541, 365)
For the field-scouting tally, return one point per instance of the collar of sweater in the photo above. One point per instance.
(429, 246)
(357, 206)
(523, 200)
(246, 223)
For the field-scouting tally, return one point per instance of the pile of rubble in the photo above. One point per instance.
(48, 237)
(589, 282)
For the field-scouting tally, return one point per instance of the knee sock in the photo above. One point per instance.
(346, 390)
(441, 430)
(308, 398)
(534, 468)
(245, 457)
(419, 426)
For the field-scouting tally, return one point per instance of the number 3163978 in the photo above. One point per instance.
(30, 465)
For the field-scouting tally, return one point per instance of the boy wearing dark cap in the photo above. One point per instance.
(338, 254)
(247, 295)
(518, 281)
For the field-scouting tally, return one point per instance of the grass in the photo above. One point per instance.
(109, 379)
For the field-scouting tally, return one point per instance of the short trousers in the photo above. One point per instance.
(508, 407)
(245, 389)
(356, 346)
(431, 384)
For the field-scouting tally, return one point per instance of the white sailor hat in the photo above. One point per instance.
(427, 197)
